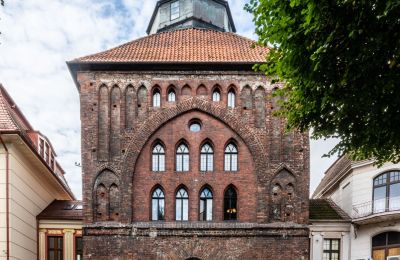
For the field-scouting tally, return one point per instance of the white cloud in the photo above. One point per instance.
(38, 36)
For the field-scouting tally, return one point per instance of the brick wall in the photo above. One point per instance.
(117, 167)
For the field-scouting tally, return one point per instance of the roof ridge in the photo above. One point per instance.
(5, 107)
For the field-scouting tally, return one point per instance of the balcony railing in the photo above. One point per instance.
(376, 206)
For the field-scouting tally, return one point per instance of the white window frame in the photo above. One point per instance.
(231, 99)
(156, 98)
(174, 10)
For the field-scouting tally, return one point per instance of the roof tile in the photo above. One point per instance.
(326, 209)
(184, 46)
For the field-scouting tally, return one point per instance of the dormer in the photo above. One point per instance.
(202, 14)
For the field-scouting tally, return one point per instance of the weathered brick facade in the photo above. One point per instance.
(120, 127)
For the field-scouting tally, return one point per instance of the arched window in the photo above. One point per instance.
(206, 158)
(182, 205)
(156, 98)
(158, 158)
(206, 204)
(182, 158)
(230, 204)
(171, 95)
(231, 158)
(231, 98)
(158, 205)
(385, 244)
(387, 192)
(216, 96)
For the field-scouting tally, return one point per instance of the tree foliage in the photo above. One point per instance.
(340, 61)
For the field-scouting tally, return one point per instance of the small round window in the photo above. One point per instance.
(195, 126)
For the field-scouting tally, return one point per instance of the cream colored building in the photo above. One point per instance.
(30, 180)
(371, 197)
(60, 231)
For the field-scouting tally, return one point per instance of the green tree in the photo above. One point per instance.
(340, 61)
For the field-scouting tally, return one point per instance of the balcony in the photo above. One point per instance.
(377, 211)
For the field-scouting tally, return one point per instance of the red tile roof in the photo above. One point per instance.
(11, 118)
(183, 46)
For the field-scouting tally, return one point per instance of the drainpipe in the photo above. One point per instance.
(7, 201)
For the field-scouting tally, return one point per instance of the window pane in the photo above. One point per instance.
(381, 179)
(379, 240)
(171, 96)
(327, 244)
(186, 162)
(326, 256)
(335, 256)
(179, 209)
(155, 162)
(394, 176)
(174, 10)
(394, 199)
(231, 100)
(202, 215)
(216, 96)
(185, 209)
(393, 238)
(335, 245)
(203, 161)
(179, 163)
(161, 212)
(234, 162)
(209, 209)
(156, 99)
(51, 242)
(161, 163)
(154, 210)
(210, 162)
(379, 199)
(227, 162)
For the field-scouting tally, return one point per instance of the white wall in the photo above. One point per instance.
(343, 194)
(30, 193)
(2, 204)
(329, 230)
(359, 190)
(361, 246)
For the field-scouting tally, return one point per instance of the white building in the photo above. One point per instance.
(32, 184)
(371, 197)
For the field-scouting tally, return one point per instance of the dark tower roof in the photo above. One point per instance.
(202, 14)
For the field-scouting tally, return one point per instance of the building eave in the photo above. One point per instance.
(75, 66)
(32, 148)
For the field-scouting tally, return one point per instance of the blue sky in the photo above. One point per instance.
(38, 36)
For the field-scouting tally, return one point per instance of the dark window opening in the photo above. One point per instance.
(230, 204)
(54, 248)
(79, 248)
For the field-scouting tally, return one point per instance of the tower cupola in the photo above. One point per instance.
(203, 14)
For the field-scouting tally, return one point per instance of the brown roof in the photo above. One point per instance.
(11, 118)
(63, 209)
(183, 46)
(333, 171)
(326, 209)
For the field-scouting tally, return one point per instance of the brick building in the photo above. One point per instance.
(181, 156)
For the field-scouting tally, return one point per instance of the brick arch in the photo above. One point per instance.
(156, 121)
